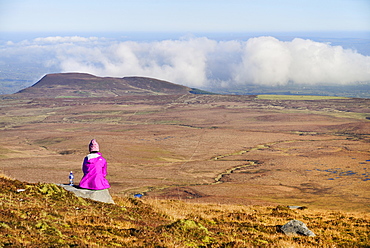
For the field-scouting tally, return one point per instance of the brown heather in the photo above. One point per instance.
(45, 215)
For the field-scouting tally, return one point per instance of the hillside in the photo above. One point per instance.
(86, 85)
(45, 215)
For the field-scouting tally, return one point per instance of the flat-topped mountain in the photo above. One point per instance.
(86, 85)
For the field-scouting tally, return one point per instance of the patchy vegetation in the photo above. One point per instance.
(45, 215)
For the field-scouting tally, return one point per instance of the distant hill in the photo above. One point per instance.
(86, 85)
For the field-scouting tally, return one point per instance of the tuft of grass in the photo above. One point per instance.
(45, 215)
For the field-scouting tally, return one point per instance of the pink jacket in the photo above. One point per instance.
(94, 168)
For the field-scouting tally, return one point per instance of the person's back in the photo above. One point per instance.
(94, 168)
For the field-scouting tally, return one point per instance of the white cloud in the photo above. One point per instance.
(202, 62)
(265, 60)
(64, 39)
(316, 62)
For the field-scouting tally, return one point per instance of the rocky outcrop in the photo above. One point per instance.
(96, 195)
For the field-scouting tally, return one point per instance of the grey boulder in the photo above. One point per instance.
(294, 227)
(96, 195)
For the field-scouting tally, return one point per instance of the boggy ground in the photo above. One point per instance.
(200, 148)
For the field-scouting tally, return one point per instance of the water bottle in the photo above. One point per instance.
(71, 177)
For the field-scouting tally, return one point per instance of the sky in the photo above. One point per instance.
(184, 15)
(72, 36)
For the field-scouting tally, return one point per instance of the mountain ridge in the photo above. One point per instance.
(88, 85)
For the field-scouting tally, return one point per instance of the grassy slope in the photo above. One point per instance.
(44, 215)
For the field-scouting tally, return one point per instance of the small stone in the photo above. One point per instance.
(297, 207)
(294, 227)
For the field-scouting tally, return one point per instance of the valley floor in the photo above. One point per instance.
(215, 149)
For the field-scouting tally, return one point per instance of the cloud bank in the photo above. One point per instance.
(201, 62)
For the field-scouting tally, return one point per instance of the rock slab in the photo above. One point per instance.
(96, 195)
(294, 227)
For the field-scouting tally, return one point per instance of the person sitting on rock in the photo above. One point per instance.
(94, 168)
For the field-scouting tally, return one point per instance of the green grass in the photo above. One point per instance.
(334, 113)
(297, 97)
(67, 96)
(45, 215)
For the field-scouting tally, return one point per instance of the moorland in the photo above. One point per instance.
(45, 215)
(264, 150)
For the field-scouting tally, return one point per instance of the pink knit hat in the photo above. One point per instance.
(93, 146)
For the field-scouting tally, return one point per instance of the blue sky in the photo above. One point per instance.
(184, 15)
